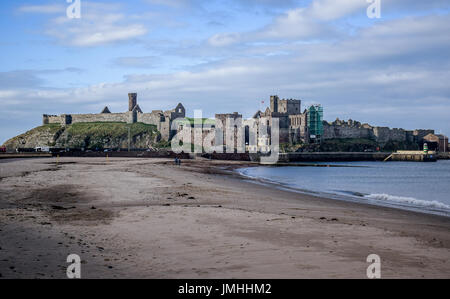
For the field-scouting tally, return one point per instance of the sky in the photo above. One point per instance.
(226, 56)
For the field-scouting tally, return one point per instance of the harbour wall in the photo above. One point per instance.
(332, 157)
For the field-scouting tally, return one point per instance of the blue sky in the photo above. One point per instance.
(226, 56)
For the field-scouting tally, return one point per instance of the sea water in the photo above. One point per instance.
(423, 187)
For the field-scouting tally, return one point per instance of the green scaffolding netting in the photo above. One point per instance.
(315, 118)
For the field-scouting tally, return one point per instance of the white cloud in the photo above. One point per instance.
(328, 10)
(321, 71)
(296, 23)
(223, 39)
(100, 23)
(107, 35)
(307, 23)
(172, 3)
(138, 62)
(43, 9)
(8, 94)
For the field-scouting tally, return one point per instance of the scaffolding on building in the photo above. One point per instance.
(315, 125)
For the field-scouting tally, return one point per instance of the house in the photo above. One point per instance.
(436, 142)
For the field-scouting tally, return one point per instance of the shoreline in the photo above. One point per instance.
(232, 170)
(148, 218)
(341, 197)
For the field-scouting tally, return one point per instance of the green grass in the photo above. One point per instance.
(110, 129)
(205, 121)
(163, 144)
(90, 135)
(96, 134)
(50, 128)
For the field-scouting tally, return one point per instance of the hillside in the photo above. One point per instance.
(88, 136)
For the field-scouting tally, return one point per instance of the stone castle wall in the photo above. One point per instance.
(289, 106)
(52, 119)
(162, 123)
(162, 120)
(385, 134)
(104, 117)
(208, 136)
(332, 131)
(353, 129)
(66, 119)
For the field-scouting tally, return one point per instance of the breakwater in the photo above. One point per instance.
(332, 157)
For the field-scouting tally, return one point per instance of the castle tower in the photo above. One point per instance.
(274, 103)
(132, 101)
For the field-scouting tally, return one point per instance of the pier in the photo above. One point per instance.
(414, 156)
(332, 156)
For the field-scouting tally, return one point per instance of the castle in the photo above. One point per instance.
(308, 126)
(292, 122)
(161, 119)
(295, 126)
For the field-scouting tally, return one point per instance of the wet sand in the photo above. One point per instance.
(147, 218)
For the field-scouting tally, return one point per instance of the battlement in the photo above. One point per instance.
(224, 116)
(354, 129)
(285, 106)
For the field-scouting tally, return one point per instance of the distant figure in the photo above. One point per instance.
(177, 161)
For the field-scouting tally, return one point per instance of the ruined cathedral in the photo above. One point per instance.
(292, 121)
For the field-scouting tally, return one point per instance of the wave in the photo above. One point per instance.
(409, 201)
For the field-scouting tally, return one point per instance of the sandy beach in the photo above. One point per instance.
(147, 218)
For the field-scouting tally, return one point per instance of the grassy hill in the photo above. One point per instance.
(87, 135)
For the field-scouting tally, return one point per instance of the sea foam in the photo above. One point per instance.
(409, 201)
